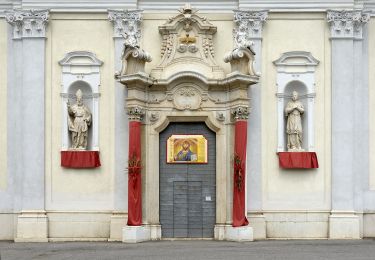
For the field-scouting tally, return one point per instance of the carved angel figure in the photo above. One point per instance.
(293, 110)
(79, 120)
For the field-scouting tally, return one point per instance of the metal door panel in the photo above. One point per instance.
(188, 191)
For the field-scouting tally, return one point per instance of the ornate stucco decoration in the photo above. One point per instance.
(133, 61)
(28, 23)
(187, 83)
(187, 98)
(249, 26)
(347, 24)
(136, 113)
(187, 39)
(126, 24)
(240, 113)
(241, 60)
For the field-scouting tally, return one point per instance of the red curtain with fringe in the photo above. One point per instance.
(80, 159)
(298, 160)
(239, 216)
(134, 175)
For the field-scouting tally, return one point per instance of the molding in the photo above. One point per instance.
(126, 24)
(28, 23)
(69, 57)
(347, 24)
(223, 6)
(249, 25)
(309, 59)
(206, 6)
(296, 5)
(81, 4)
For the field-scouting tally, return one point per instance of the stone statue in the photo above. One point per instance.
(79, 120)
(293, 110)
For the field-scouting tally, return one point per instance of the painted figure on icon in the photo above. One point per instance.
(185, 154)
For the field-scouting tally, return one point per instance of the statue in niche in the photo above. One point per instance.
(293, 110)
(79, 120)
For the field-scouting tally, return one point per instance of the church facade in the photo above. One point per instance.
(147, 120)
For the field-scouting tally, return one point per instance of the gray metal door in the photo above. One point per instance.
(188, 191)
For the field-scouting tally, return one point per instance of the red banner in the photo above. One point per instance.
(80, 159)
(239, 217)
(298, 160)
(134, 175)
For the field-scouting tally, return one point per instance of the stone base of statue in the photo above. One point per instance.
(296, 150)
(136, 234)
(236, 234)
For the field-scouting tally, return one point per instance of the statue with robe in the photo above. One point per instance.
(293, 111)
(79, 120)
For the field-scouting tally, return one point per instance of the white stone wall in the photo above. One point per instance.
(371, 75)
(3, 104)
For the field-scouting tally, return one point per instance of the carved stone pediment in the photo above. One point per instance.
(187, 39)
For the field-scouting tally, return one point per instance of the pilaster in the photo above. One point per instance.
(121, 21)
(249, 27)
(346, 33)
(29, 29)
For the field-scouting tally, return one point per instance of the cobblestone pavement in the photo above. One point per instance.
(271, 249)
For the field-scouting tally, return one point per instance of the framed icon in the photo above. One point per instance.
(187, 149)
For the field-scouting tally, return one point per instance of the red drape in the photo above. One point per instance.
(80, 159)
(239, 217)
(134, 176)
(298, 160)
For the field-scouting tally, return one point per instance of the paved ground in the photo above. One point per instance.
(286, 249)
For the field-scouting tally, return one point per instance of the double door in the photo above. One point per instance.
(187, 191)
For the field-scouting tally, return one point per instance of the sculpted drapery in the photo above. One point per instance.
(293, 110)
(79, 120)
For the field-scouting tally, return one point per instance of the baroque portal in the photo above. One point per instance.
(188, 86)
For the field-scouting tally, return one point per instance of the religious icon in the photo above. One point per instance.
(187, 149)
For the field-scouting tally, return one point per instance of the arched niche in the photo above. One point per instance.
(81, 70)
(296, 72)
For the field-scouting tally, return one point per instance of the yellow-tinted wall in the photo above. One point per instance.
(296, 189)
(85, 189)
